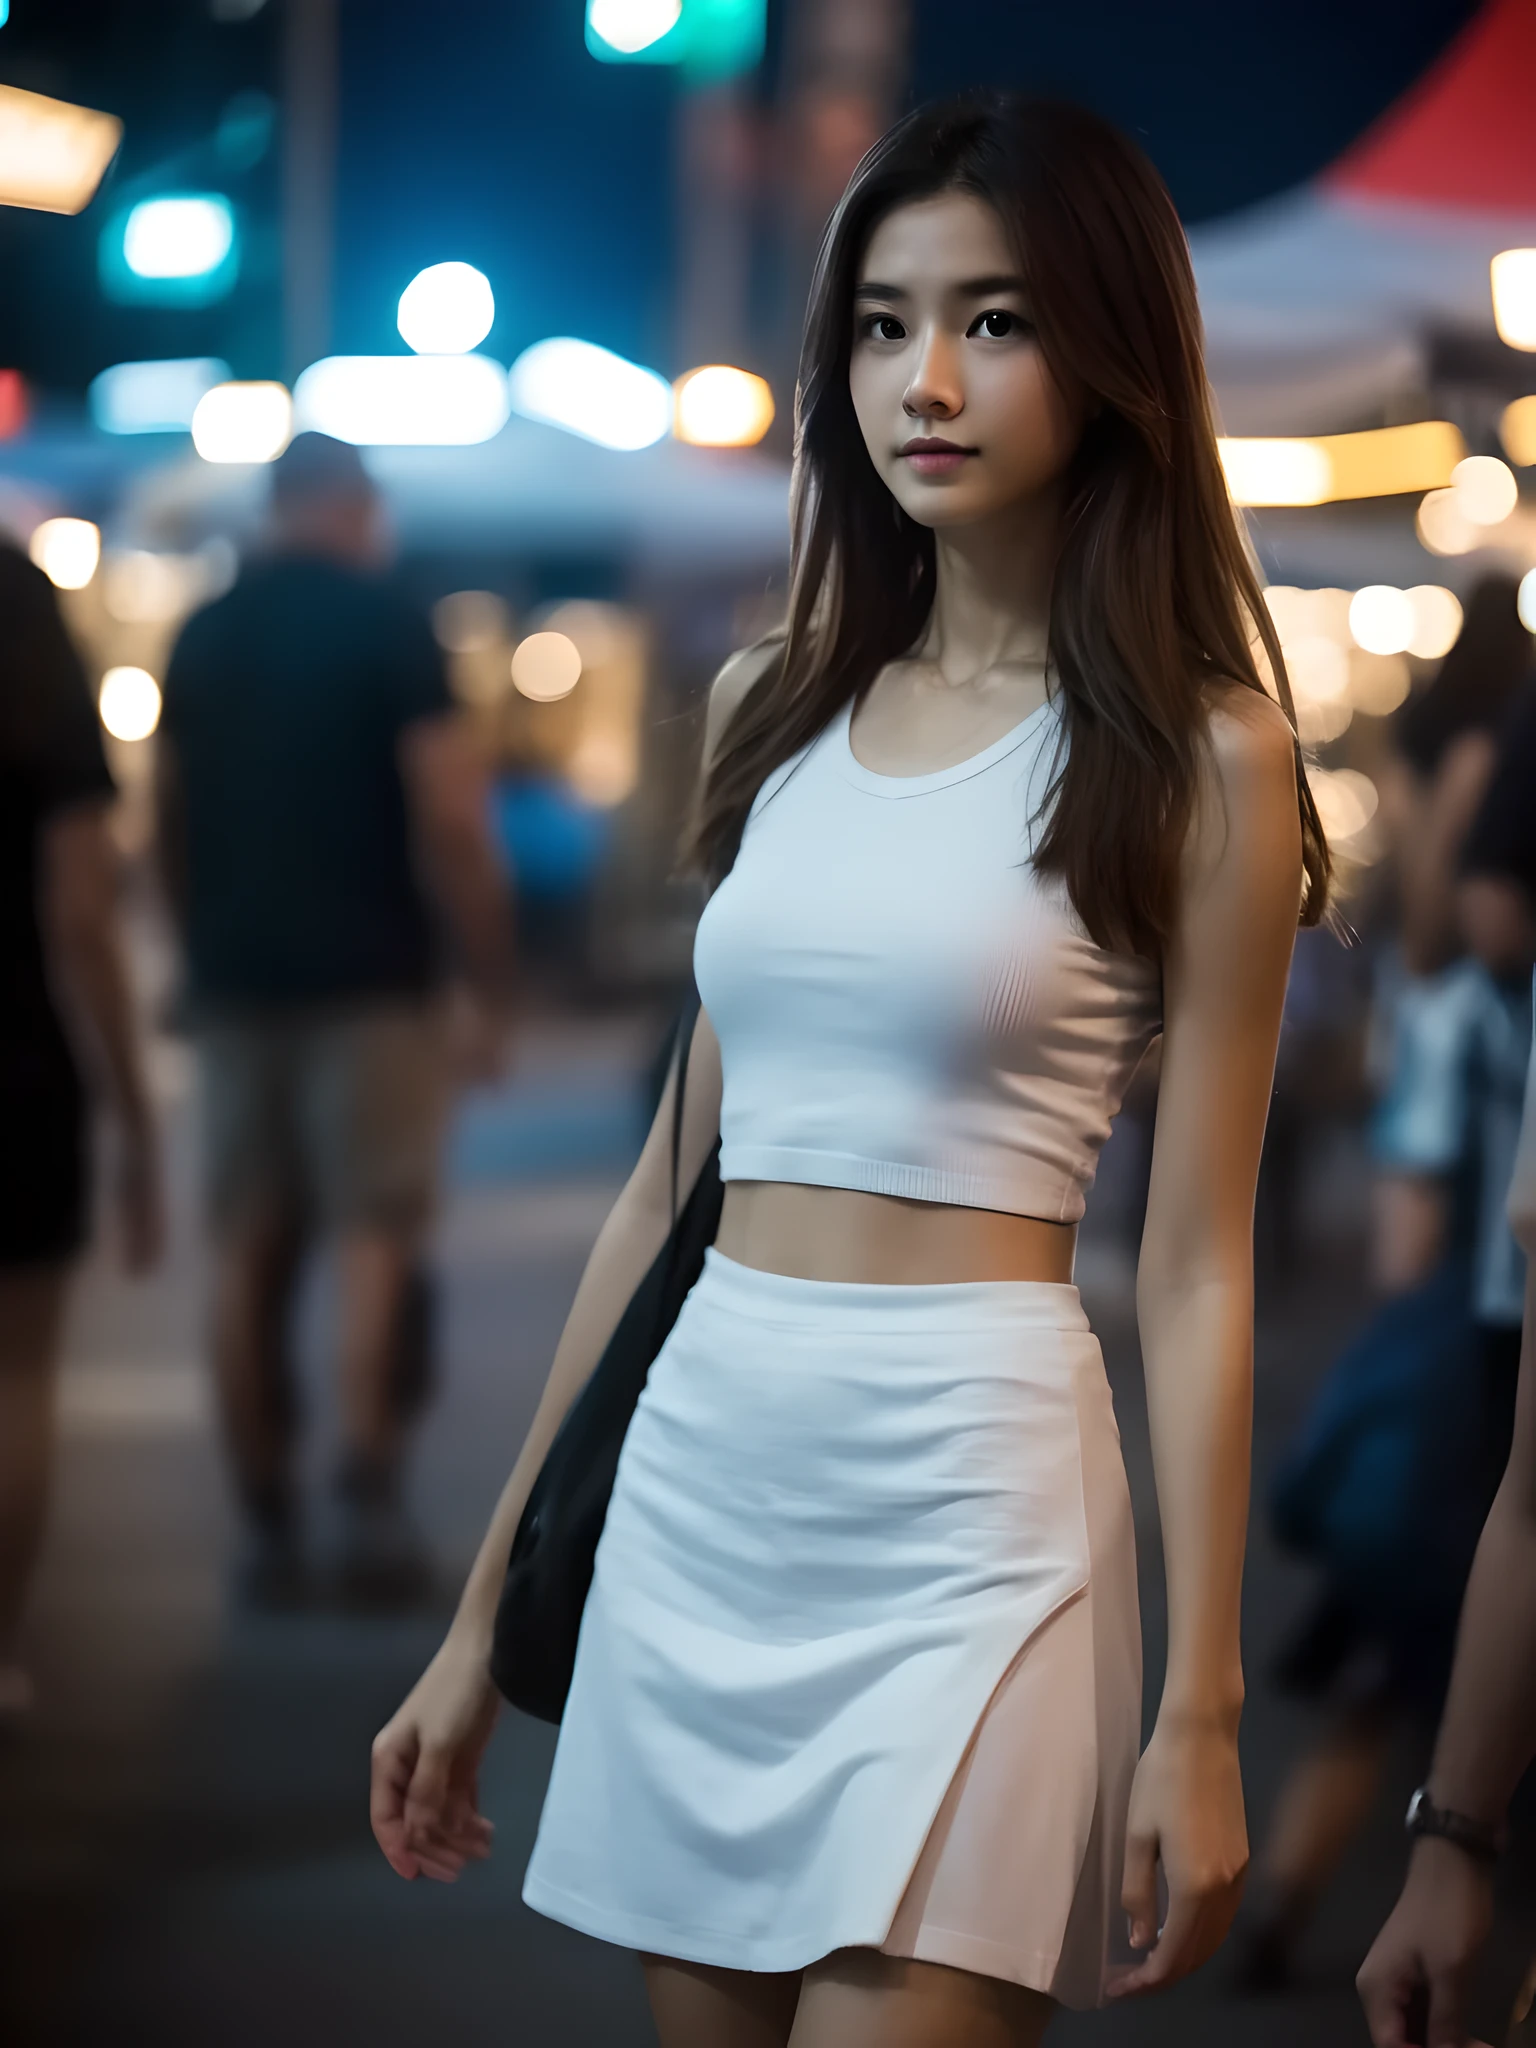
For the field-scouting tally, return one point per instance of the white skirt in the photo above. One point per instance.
(861, 1664)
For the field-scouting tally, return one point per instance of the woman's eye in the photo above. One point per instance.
(997, 324)
(884, 327)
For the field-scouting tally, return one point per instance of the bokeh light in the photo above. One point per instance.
(629, 26)
(591, 392)
(1517, 430)
(243, 423)
(1525, 600)
(1512, 276)
(546, 666)
(1318, 668)
(446, 310)
(441, 401)
(181, 237)
(1378, 683)
(602, 770)
(1436, 620)
(1485, 489)
(719, 407)
(52, 154)
(1346, 803)
(1276, 472)
(67, 551)
(1443, 527)
(1381, 619)
(129, 703)
(153, 397)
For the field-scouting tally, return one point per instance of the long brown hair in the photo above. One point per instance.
(1153, 596)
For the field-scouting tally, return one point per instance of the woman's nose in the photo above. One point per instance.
(934, 392)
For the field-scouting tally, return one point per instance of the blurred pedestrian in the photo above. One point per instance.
(1388, 1481)
(321, 814)
(1446, 744)
(66, 1036)
(1413, 1983)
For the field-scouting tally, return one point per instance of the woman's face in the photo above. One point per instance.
(959, 412)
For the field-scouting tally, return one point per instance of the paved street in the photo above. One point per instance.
(184, 1853)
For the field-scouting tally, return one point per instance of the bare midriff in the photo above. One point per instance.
(811, 1233)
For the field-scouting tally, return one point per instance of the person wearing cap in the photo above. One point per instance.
(324, 837)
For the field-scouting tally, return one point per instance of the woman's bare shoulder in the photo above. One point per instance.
(744, 668)
(1252, 741)
(1246, 810)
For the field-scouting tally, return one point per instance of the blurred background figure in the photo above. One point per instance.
(67, 1038)
(319, 811)
(1388, 1481)
(1418, 1973)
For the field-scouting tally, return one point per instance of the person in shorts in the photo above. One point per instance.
(323, 828)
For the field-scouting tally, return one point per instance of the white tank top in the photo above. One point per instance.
(904, 1004)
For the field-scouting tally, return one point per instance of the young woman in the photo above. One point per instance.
(850, 1753)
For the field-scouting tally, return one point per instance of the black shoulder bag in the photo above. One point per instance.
(550, 1568)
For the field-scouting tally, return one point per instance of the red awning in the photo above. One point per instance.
(1465, 134)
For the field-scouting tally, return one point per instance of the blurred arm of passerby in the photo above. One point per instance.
(1434, 816)
(1448, 742)
(78, 918)
(1496, 895)
(448, 794)
(426, 1761)
(1425, 1953)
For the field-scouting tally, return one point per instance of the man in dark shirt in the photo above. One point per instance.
(321, 815)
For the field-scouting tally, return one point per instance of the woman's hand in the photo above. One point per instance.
(1187, 1814)
(424, 1800)
(1420, 1962)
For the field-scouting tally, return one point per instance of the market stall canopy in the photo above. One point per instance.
(1322, 307)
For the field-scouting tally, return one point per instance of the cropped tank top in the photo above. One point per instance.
(904, 1003)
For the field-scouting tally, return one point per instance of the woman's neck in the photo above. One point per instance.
(992, 596)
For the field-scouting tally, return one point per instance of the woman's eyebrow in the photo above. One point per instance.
(983, 287)
(968, 288)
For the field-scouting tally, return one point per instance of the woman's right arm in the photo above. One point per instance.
(426, 1760)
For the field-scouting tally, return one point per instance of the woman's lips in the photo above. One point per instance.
(938, 458)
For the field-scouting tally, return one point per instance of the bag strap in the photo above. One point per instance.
(683, 1043)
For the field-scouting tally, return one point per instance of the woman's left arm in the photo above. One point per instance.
(1224, 976)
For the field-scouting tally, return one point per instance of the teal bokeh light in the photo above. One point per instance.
(174, 249)
(709, 39)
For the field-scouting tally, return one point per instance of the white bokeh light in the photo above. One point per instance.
(631, 25)
(129, 703)
(185, 237)
(1381, 619)
(546, 666)
(441, 401)
(1485, 489)
(67, 551)
(1436, 620)
(591, 392)
(446, 310)
(243, 422)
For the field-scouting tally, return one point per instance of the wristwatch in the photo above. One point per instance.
(1477, 1837)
